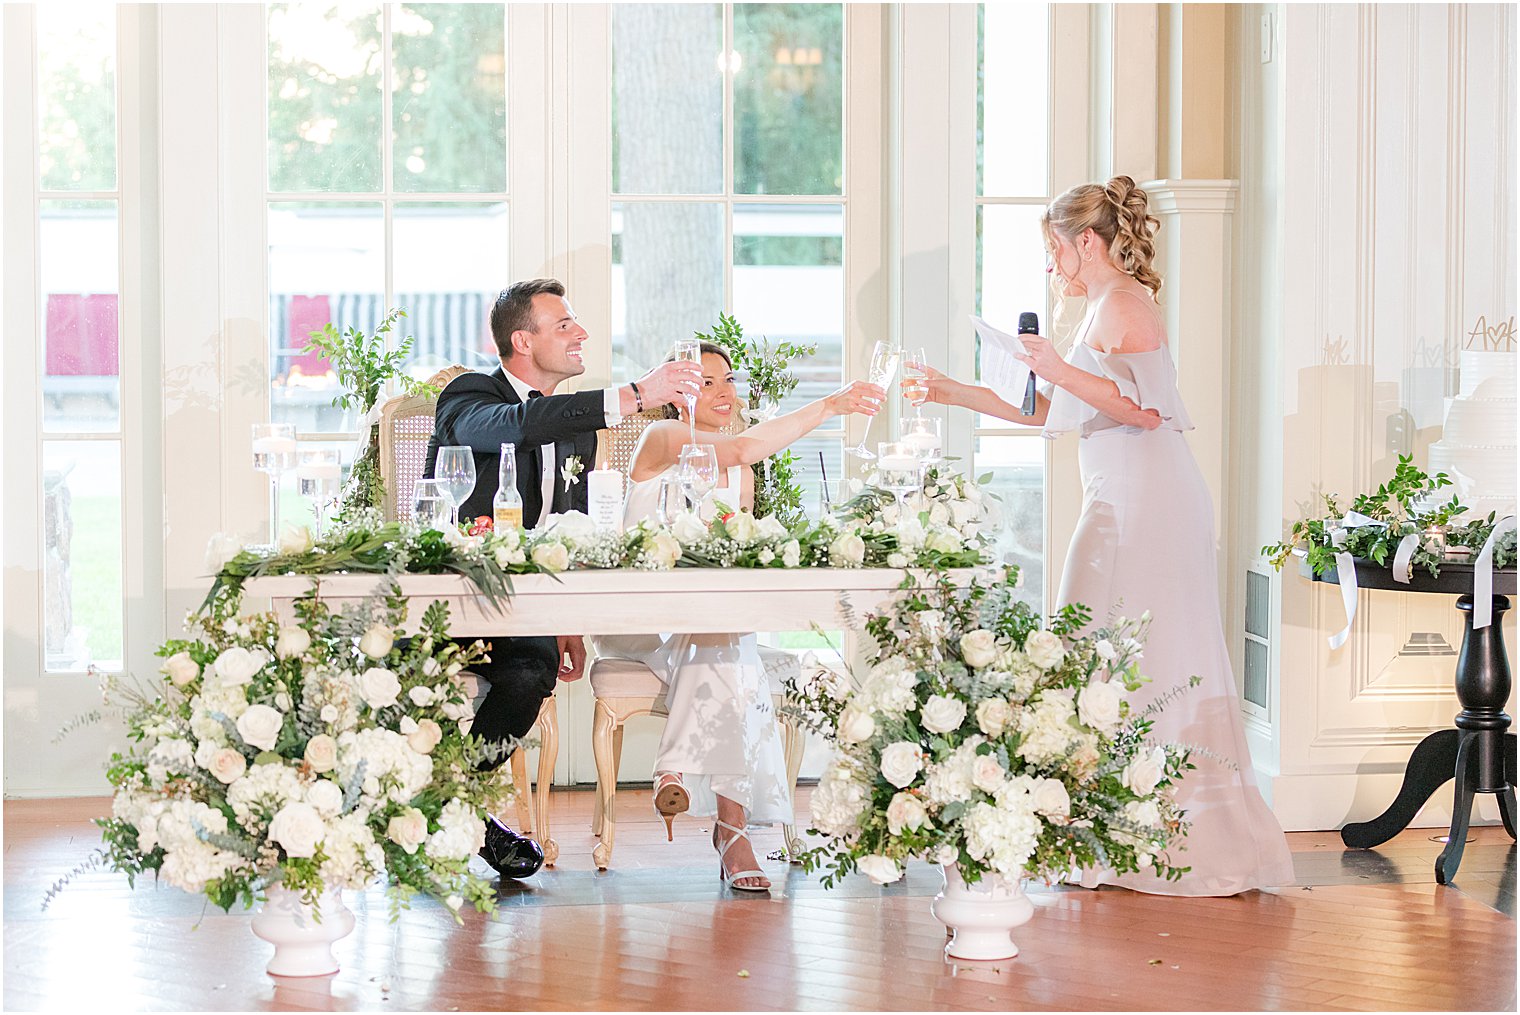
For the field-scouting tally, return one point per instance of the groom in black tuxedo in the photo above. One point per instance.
(539, 343)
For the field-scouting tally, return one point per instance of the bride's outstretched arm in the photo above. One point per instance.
(660, 444)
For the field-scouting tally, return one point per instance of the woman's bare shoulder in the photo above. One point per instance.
(1124, 322)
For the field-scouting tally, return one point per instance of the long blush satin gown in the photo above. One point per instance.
(1145, 541)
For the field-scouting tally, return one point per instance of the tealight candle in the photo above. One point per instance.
(897, 463)
(274, 446)
(926, 444)
(319, 470)
(604, 496)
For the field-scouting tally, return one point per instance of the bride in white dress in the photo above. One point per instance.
(720, 755)
(1145, 539)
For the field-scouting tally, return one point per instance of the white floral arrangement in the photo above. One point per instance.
(951, 514)
(979, 739)
(321, 754)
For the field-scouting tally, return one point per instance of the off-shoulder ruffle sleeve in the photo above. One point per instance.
(1146, 378)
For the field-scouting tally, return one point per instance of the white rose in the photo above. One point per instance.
(377, 641)
(379, 687)
(227, 765)
(938, 513)
(297, 827)
(944, 541)
(293, 642)
(1044, 649)
(220, 550)
(1143, 773)
(767, 555)
(1049, 797)
(791, 553)
(855, 726)
(895, 559)
(326, 797)
(329, 713)
(552, 557)
(901, 762)
(322, 752)
(741, 527)
(987, 774)
(942, 713)
(688, 528)
(979, 649)
(421, 695)
(260, 726)
(1098, 705)
(508, 556)
(509, 537)
(408, 829)
(910, 533)
(574, 526)
(663, 549)
(770, 527)
(906, 811)
(944, 855)
(848, 550)
(295, 539)
(993, 716)
(425, 737)
(962, 512)
(236, 666)
(880, 869)
(1105, 648)
(180, 668)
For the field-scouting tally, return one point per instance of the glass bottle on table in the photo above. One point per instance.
(507, 505)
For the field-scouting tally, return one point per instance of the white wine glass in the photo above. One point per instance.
(884, 357)
(274, 454)
(689, 350)
(432, 505)
(318, 474)
(915, 364)
(455, 469)
(697, 472)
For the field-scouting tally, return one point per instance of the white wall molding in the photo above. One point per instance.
(1182, 197)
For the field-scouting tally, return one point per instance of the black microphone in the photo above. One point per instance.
(1029, 324)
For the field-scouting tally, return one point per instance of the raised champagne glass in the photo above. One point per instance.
(884, 357)
(689, 350)
(915, 373)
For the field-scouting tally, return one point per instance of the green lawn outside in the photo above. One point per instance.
(95, 566)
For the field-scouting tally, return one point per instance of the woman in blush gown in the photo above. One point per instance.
(720, 755)
(1145, 539)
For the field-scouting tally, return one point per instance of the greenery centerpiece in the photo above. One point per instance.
(364, 367)
(980, 740)
(1411, 503)
(313, 755)
(776, 489)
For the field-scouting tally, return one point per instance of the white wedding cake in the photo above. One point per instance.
(1478, 444)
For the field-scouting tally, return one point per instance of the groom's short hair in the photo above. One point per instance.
(514, 310)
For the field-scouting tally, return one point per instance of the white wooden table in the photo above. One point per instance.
(688, 600)
(624, 601)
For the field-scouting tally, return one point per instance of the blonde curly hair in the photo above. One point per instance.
(1119, 212)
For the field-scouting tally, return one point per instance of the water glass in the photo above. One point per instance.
(697, 472)
(455, 469)
(432, 506)
(318, 474)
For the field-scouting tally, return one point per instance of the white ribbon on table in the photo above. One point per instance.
(1483, 576)
(1345, 569)
(1403, 558)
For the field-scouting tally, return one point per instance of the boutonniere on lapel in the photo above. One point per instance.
(571, 471)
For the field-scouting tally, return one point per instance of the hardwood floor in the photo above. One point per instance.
(1363, 930)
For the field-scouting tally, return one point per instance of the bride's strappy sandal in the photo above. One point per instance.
(670, 799)
(732, 880)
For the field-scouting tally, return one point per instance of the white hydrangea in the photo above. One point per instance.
(1045, 727)
(392, 770)
(170, 756)
(839, 801)
(460, 833)
(889, 687)
(353, 855)
(261, 792)
(190, 863)
(951, 781)
(1002, 835)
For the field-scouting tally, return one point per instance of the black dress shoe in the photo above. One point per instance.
(509, 854)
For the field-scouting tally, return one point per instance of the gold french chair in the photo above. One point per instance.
(406, 425)
(626, 688)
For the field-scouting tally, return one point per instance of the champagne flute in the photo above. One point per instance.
(689, 350)
(317, 476)
(883, 365)
(431, 504)
(915, 362)
(697, 472)
(455, 469)
(274, 453)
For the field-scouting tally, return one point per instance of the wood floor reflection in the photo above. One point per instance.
(1361, 931)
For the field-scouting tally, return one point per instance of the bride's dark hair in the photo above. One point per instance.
(669, 408)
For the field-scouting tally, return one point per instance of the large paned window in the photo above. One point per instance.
(1013, 184)
(729, 187)
(387, 187)
(78, 267)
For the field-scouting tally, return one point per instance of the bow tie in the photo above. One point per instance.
(535, 394)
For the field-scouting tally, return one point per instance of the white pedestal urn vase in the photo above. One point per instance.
(302, 939)
(981, 916)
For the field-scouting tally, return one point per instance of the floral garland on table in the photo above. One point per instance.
(318, 755)
(1377, 523)
(978, 739)
(952, 529)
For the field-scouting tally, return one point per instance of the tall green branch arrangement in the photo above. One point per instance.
(364, 366)
(777, 491)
